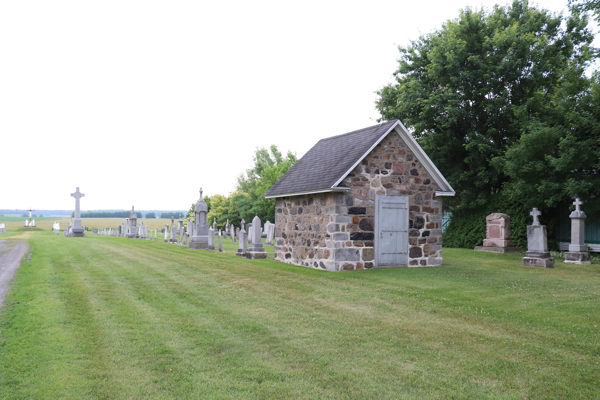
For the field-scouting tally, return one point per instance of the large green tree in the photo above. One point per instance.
(268, 167)
(585, 6)
(475, 88)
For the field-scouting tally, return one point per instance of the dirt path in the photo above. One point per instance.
(11, 253)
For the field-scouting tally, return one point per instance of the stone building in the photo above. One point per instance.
(367, 198)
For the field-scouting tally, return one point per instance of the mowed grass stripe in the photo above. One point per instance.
(168, 322)
(484, 337)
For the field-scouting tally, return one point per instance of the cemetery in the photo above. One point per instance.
(450, 250)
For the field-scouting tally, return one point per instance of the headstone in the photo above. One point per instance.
(133, 231)
(200, 238)
(221, 242)
(270, 232)
(1, 228)
(257, 250)
(537, 254)
(189, 228)
(232, 233)
(77, 228)
(210, 239)
(249, 235)
(173, 233)
(166, 233)
(578, 250)
(498, 235)
(241, 234)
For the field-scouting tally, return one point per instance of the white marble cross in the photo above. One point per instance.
(577, 203)
(200, 192)
(77, 196)
(535, 214)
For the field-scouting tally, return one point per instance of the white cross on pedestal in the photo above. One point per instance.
(200, 192)
(77, 196)
(577, 203)
(535, 214)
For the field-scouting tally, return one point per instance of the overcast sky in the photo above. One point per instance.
(142, 102)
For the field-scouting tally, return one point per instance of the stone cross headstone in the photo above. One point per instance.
(498, 235)
(578, 250)
(77, 224)
(537, 254)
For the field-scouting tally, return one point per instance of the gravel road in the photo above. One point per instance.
(11, 253)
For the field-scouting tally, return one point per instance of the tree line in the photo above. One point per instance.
(104, 214)
(501, 102)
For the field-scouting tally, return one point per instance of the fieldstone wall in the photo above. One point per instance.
(335, 231)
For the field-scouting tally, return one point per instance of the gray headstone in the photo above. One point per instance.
(537, 254)
(578, 250)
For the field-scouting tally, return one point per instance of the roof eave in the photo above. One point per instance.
(333, 189)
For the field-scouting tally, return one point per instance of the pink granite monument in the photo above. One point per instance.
(498, 235)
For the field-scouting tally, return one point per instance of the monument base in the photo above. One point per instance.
(77, 233)
(494, 249)
(538, 262)
(198, 245)
(256, 255)
(573, 257)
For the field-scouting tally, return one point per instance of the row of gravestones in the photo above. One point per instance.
(30, 223)
(537, 255)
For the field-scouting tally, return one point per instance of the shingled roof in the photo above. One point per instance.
(329, 161)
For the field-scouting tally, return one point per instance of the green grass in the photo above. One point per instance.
(103, 317)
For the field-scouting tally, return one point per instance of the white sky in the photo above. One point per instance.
(142, 102)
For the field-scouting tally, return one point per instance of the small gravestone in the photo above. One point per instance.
(166, 233)
(578, 251)
(537, 254)
(1, 228)
(270, 233)
(243, 244)
(257, 250)
(221, 242)
(498, 235)
(210, 239)
(189, 228)
(173, 234)
(232, 232)
(77, 227)
(249, 235)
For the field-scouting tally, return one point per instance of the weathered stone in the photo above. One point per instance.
(347, 255)
(419, 223)
(357, 210)
(368, 254)
(366, 224)
(361, 236)
(415, 252)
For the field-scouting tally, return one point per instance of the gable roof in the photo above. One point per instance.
(329, 161)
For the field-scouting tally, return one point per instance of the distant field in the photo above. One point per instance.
(115, 318)
(45, 223)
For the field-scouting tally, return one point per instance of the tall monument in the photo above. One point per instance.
(200, 238)
(77, 224)
(578, 250)
(133, 232)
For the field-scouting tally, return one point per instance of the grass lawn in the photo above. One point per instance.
(116, 318)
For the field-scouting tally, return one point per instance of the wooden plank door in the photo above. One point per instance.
(391, 229)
